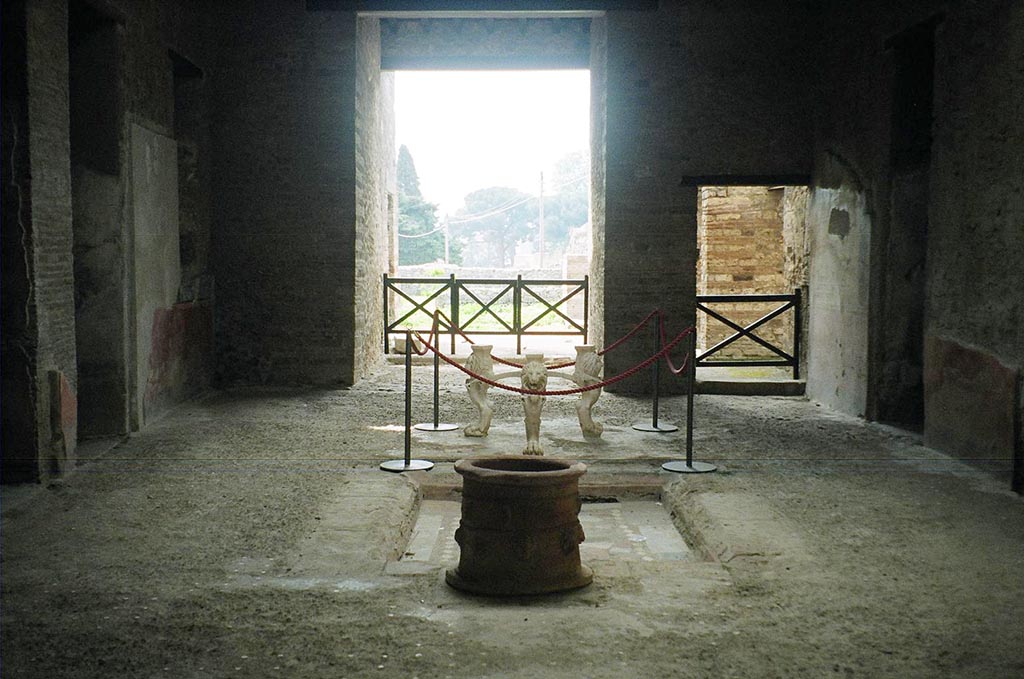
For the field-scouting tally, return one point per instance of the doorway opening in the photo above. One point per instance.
(95, 110)
(493, 182)
(752, 260)
(901, 389)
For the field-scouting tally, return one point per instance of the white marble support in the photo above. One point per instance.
(481, 363)
(535, 378)
(587, 372)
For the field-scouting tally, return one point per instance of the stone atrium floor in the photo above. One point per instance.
(251, 534)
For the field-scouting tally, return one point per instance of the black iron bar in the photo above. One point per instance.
(456, 288)
(655, 425)
(797, 329)
(437, 386)
(655, 378)
(689, 466)
(437, 425)
(746, 331)
(408, 398)
(690, 383)
(455, 302)
(407, 463)
(387, 287)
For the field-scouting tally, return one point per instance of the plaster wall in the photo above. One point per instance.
(976, 235)
(100, 235)
(43, 306)
(51, 270)
(154, 164)
(837, 350)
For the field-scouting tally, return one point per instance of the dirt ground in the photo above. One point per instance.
(250, 534)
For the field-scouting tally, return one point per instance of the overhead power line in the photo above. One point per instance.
(508, 205)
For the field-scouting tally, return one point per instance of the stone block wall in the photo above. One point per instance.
(375, 180)
(485, 43)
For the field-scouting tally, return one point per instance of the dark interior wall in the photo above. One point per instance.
(49, 103)
(975, 305)
(971, 306)
(18, 357)
(50, 233)
(284, 178)
(849, 206)
(693, 89)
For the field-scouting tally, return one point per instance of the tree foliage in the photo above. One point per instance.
(568, 204)
(491, 222)
(420, 240)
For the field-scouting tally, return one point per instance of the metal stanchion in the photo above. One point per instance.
(407, 464)
(436, 426)
(689, 466)
(655, 425)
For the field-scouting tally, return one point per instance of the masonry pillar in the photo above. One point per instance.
(650, 221)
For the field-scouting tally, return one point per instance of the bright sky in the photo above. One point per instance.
(469, 130)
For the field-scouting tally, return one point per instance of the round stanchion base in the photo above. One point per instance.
(429, 426)
(660, 427)
(401, 466)
(681, 467)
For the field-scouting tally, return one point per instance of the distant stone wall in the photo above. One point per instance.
(485, 43)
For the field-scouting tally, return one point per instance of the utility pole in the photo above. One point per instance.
(447, 258)
(540, 244)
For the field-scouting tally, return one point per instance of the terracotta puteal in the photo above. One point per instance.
(520, 532)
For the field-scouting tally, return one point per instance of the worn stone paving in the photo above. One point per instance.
(630, 531)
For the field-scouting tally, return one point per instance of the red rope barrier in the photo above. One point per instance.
(668, 359)
(611, 347)
(642, 324)
(565, 392)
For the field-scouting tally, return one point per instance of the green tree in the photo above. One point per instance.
(568, 204)
(492, 221)
(420, 238)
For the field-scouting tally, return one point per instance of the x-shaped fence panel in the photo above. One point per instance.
(785, 359)
(474, 304)
(488, 310)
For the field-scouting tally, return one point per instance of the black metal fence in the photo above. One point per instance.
(790, 302)
(486, 306)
